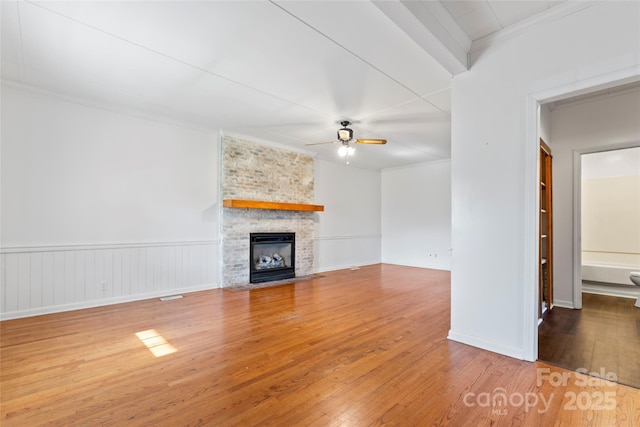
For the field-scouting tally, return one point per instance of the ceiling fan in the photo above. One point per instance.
(345, 135)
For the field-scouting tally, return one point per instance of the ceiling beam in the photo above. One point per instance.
(433, 29)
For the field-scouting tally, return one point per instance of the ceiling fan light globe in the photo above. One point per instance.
(350, 150)
(342, 151)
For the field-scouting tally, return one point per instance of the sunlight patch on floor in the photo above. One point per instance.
(155, 343)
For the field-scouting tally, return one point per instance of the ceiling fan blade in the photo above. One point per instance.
(321, 143)
(371, 141)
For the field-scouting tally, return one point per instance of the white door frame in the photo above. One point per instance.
(531, 190)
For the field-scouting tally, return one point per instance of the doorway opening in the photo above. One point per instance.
(539, 125)
(610, 221)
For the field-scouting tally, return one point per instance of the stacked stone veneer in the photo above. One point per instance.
(253, 171)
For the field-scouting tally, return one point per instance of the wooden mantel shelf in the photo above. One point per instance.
(257, 204)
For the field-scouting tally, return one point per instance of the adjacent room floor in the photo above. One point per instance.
(602, 337)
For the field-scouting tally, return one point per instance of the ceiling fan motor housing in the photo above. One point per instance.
(345, 134)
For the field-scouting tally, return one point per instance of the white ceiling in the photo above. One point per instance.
(279, 71)
(481, 18)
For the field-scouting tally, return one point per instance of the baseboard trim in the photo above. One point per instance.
(516, 353)
(563, 304)
(103, 302)
(427, 267)
(626, 292)
(343, 267)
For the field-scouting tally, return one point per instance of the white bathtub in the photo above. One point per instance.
(608, 273)
(609, 279)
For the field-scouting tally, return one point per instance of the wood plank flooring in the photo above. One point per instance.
(604, 336)
(347, 348)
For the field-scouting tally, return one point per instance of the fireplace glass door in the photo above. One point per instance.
(272, 256)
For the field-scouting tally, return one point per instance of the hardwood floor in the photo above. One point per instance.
(348, 348)
(604, 336)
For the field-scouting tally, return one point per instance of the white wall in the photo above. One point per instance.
(611, 221)
(416, 215)
(100, 206)
(493, 188)
(545, 124)
(347, 233)
(584, 127)
(610, 206)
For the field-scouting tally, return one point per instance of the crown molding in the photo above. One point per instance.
(140, 114)
(568, 8)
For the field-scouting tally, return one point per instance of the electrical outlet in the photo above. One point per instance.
(104, 286)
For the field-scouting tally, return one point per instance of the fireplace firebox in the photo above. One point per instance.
(272, 256)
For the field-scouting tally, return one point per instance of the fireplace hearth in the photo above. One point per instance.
(271, 256)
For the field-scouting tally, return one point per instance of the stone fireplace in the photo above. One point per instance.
(252, 171)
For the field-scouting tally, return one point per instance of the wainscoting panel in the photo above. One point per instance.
(339, 252)
(39, 280)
